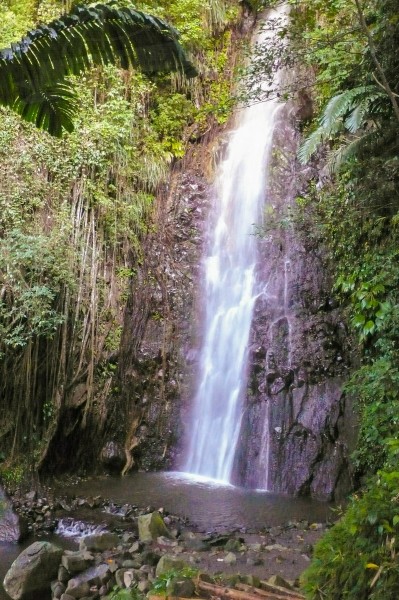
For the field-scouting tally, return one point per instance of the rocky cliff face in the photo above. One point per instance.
(297, 426)
(156, 363)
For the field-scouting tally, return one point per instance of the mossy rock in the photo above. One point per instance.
(152, 526)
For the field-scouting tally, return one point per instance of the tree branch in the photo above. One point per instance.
(384, 80)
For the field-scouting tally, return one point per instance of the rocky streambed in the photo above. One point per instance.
(139, 548)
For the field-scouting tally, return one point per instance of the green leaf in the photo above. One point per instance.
(34, 72)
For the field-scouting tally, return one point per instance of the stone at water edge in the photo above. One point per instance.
(230, 558)
(152, 526)
(31, 574)
(168, 562)
(99, 542)
(12, 527)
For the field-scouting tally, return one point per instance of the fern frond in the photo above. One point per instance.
(356, 101)
(340, 105)
(70, 45)
(310, 145)
(337, 158)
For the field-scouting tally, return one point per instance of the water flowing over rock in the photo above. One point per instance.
(293, 426)
(230, 292)
(298, 428)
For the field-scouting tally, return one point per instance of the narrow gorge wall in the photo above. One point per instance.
(157, 356)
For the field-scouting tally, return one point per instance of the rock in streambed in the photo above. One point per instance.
(107, 560)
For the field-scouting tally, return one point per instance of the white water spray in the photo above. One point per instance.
(230, 292)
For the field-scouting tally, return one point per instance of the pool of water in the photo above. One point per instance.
(209, 505)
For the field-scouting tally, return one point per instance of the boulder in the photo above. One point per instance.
(99, 542)
(31, 574)
(152, 526)
(168, 562)
(12, 527)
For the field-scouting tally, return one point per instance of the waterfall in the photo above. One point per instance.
(230, 291)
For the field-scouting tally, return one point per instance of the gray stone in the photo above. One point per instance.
(151, 526)
(74, 562)
(135, 547)
(279, 582)
(77, 588)
(182, 588)
(57, 589)
(168, 562)
(130, 564)
(33, 571)
(99, 542)
(164, 541)
(129, 578)
(230, 558)
(255, 547)
(63, 574)
(120, 577)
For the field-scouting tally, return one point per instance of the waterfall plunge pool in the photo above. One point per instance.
(209, 505)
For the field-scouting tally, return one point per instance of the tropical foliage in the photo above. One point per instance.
(352, 211)
(34, 70)
(74, 214)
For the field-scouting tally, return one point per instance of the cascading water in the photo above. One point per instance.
(230, 291)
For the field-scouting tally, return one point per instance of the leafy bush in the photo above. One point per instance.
(162, 582)
(357, 558)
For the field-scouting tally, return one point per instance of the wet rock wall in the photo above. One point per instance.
(298, 428)
(157, 356)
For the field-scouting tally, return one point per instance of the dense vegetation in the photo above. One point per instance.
(344, 56)
(73, 216)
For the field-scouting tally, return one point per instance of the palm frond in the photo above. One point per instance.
(358, 115)
(340, 105)
(337, 158)
(356, 101)
(36, 67)
(310, 145)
